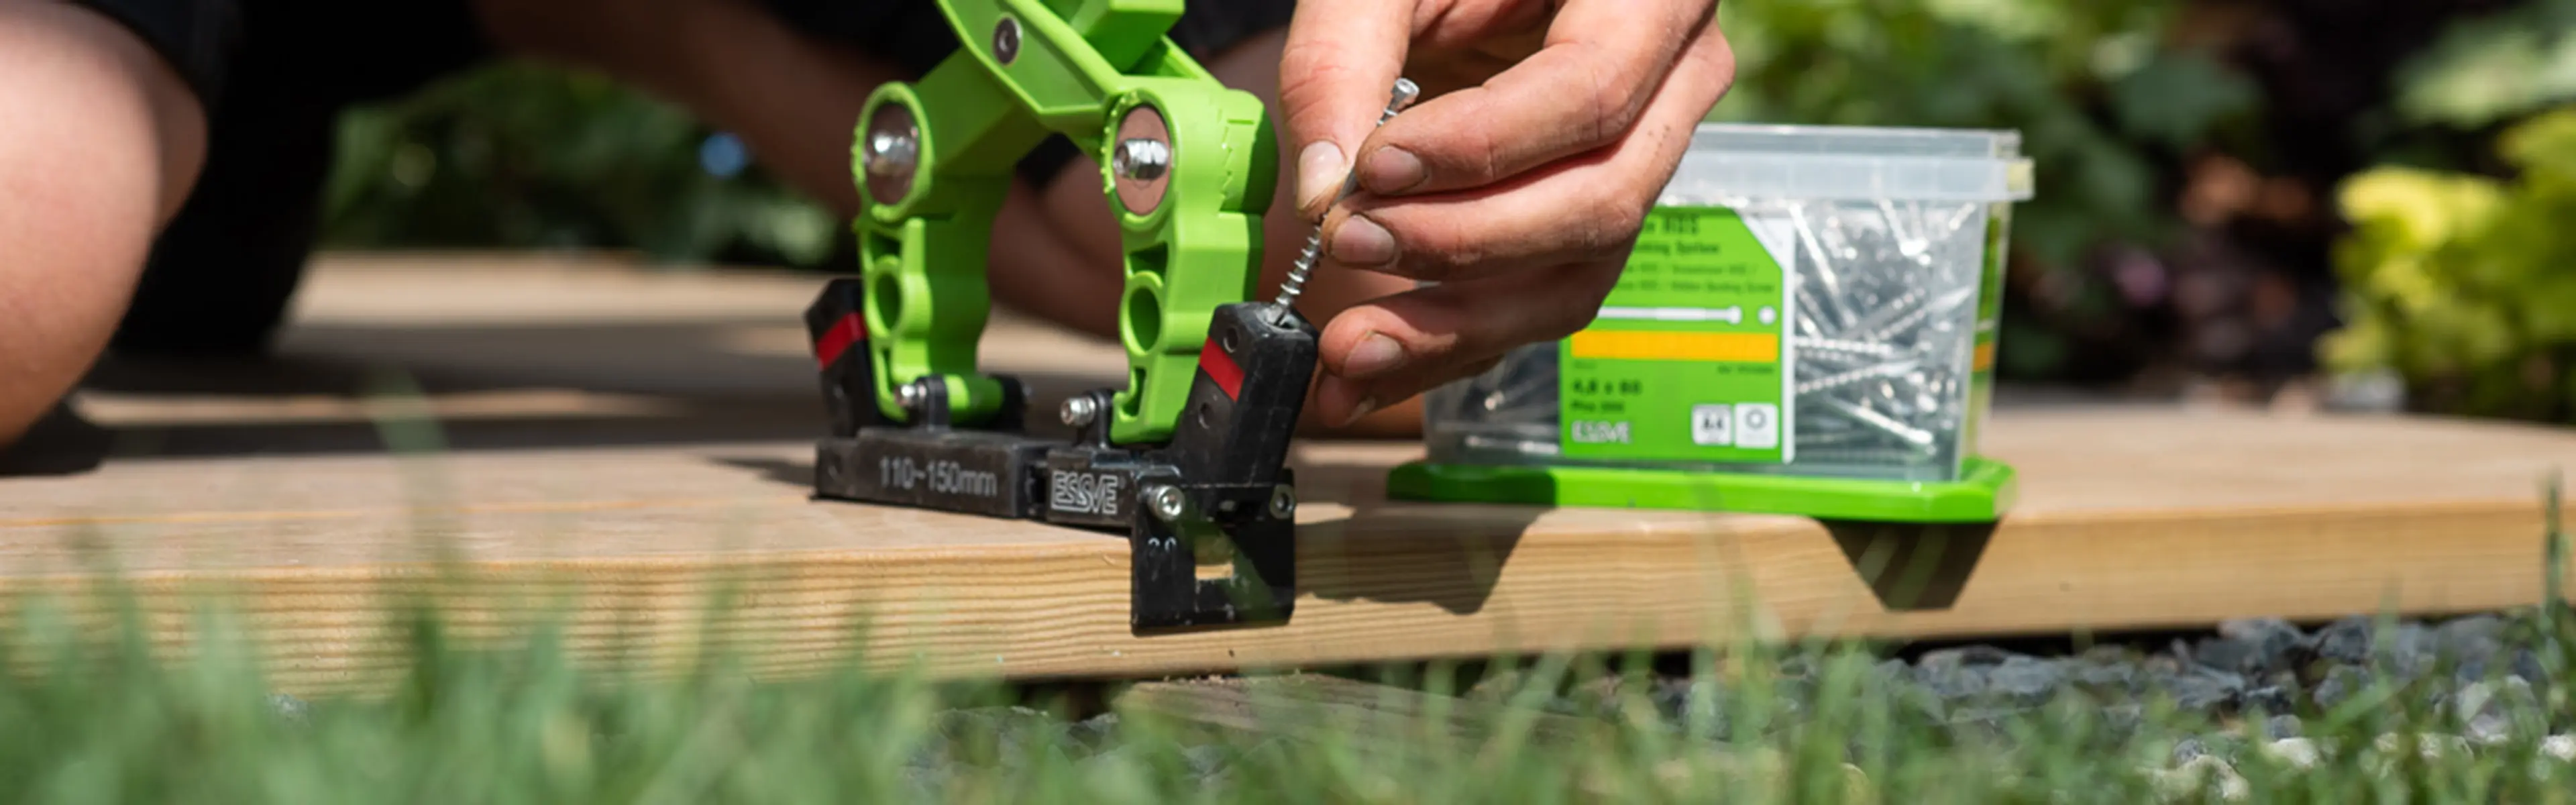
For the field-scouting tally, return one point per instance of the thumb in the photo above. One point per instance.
(1335, 70)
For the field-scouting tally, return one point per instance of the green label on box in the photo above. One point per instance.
(1689, 359)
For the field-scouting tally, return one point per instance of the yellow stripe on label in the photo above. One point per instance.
(1633, 345)
(1985, 357)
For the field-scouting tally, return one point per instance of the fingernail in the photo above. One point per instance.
(1392, 170)
(1374, 356)
(1319, 173)
(1358, 411)
(1361, 242)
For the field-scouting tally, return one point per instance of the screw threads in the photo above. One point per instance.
(1854, 377)
(1859, 349)
(1295, 284)
(1914, 316)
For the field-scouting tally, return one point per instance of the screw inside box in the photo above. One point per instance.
(1891, 247)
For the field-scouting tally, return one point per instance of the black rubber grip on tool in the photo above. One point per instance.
(1244, 403)
(837, 325)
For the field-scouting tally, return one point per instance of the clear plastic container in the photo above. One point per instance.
(1884, 247)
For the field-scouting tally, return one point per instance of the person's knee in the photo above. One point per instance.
(103, 143)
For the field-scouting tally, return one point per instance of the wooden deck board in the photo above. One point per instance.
(641, 481)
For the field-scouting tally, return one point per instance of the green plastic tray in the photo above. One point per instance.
(1985, 489)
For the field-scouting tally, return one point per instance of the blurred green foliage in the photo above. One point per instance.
(2093, 92)
(524, 156)
(516, 155)
(2119, 103)
(2460, 283)
(2101, 103)
(2493, 68)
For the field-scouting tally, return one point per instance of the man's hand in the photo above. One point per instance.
(1546, 130)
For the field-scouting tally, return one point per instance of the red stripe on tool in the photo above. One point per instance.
(1221, 368)
(844, 334)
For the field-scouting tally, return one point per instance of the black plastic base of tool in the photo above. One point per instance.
(1218, 493)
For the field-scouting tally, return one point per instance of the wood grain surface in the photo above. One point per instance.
(626, 457)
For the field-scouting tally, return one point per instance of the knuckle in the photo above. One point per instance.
(1610, 111)
(1619, 93)
(1620, 222)
(1432, 250)
(1305, 94)
(1297, 98)
(1303, 76)
(1488, 154)
(1611, 227)
(1586, 289)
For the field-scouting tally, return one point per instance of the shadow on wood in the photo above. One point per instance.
(62, 443)
(457, 387)
(1912, 567)
(1447, 555)
(799, 474)
(1379, 552)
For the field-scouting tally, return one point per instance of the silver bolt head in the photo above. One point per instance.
(1167, 502)
(892, 152)
(1283, 502)
(1078, 411)
(1141, 159)
(909, 393)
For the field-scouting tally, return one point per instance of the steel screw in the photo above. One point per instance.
(1166, 501)
(1404, 94)
(1876, 336)
(1006, 40)
(1876, 327)
(1283, 502)
(1078, 411)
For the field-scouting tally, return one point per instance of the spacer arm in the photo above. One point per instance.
(1101, 73)
(935, 176)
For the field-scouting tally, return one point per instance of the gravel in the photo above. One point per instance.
(2482, 675)
(2262, 686)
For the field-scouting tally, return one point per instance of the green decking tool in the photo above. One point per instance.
(1188, 458)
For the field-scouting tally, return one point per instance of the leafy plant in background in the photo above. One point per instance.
(2104, 106)
(2097, 98)
(2461, 285)
(2494, 68)
(2120, 103)
(526, 156)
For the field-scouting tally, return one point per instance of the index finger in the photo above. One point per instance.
(1584, 89)
(1335, 70)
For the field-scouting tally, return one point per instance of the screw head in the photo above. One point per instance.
(909, 394)
(1006, 40)
(1283, 502)
(1166, 501)
(1079, 411)
(892, 153)
(1402, 95)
